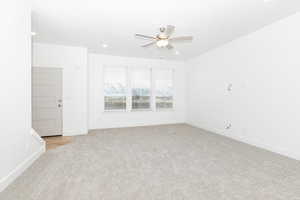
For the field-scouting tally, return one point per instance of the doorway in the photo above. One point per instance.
(47, 92)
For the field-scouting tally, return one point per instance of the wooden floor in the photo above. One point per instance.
(53, 142)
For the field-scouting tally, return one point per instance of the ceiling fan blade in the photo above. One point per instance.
(182, 39)
(145, 37)
(170, 30)
(148, 44)
(169, 46)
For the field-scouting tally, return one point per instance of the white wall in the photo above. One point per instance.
(73, 60)
(100, 119)
(18, 148)
(77, 81)
(264, 104)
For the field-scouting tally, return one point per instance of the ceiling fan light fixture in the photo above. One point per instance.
(162, 43)
(164, 39)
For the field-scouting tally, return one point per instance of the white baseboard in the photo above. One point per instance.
(256, 143)
(36, 136)
(260, 144)
(74, 133)
(4, 182)
(136, 125)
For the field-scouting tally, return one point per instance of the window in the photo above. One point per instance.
(141, 89)
(135, 89)
(115, 88)
(164, 89)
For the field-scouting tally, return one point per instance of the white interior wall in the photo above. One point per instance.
(261, 108)
(18, 147)
(73, 60)
(100, 119)
(264, 104)
(77, 81)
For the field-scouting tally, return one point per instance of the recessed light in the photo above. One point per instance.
(104, 45)
(33, 33)
(267, 1)
(177, 52)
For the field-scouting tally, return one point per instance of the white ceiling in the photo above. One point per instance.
(90, 23)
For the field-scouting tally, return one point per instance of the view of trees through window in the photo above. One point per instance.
(115, 84)
(141, 88)
(164, 89)
(116, 89)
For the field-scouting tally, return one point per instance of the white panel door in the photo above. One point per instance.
(47, 101)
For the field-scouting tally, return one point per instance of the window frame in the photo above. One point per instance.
(126, 86)
(173, 90)
(129, 89)
(130, 70)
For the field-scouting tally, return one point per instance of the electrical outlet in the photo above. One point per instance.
(229, 87)
(228, 126)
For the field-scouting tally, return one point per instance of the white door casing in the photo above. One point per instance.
(47, 100)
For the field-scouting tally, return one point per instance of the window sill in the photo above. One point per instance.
(127, 111)
(141, 110)
(114, 111)
(165, 110)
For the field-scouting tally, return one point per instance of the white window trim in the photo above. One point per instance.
(129, 90)
(173, 91)
(153, 102)
(130, 69)
(103, 83)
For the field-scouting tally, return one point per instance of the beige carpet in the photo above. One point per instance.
(172, 162)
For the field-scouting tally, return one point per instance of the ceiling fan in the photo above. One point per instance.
(164, 39)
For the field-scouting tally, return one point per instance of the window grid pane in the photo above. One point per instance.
(164, 89)
(115, 87)
(141, 89)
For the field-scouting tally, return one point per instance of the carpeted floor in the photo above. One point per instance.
(171, 162)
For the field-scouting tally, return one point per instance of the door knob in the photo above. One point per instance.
(59, 105)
